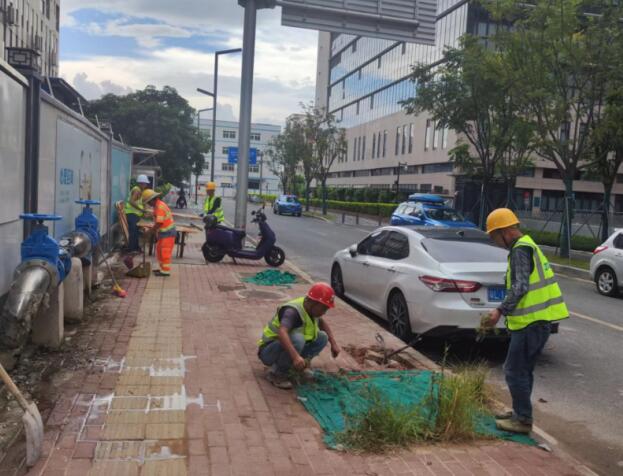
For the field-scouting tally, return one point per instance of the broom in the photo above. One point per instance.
(116, 288)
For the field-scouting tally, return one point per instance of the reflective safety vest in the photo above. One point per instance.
(543, 301)
(129, 208)
(218, 213)
(163, 215)
(309, 329)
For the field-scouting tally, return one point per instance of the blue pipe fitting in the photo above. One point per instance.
(41, 247)
(87, 222)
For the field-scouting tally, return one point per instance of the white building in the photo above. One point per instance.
(224, 172)
(32, 24)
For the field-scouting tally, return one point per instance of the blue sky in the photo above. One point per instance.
(122, 45)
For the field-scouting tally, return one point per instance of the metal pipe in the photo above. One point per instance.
(79, 244)
(246, 102)
(23, 301)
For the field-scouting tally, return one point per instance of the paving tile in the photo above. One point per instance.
(123, 431)
(164, 431)
(111, 450)
(116, 468)
(174, 467)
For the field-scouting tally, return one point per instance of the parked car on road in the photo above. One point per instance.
(288, 204)
(438, 281)
(607, 265)
(428, 210)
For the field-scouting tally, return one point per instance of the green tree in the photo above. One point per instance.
(284, 154)
(158, 119)
(555, 58)
(469, 92)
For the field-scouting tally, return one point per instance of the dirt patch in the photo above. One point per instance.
(372, 358)
(263, 295)
(230, 287)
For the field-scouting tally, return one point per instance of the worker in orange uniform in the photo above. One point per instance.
(164, 229)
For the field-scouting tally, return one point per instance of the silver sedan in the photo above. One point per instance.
(423, 280)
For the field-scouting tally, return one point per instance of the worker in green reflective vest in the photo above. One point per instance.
(533, 301)
(213, 204)
(134, 211)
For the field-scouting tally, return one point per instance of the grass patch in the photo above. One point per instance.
(578, 263)
(448, 414)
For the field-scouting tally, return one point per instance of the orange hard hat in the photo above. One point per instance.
(322, 293)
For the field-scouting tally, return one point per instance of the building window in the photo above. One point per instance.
(225, 150)
(427, 135)
(397, 148)
(437, 168)
(354, 149)
(378, 63)
(363, 149)
(354, 49)
(253, 169)
(444, 137)
(378, 146)
(357, 107)
(404, 140)
(229, 134)
(227, 167)
(255, 136)
(411, 132)
(436, 135)
(404, 47)
(372, 102)
(373, 146)
(384, 142)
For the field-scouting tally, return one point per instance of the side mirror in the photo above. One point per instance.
(353, 250)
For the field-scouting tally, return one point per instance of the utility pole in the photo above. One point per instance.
(261, 154)
(199, 132)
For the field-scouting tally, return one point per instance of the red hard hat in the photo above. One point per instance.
(322, 293)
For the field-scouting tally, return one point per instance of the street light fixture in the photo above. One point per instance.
(400, 166)
(215, 88)
(198, 132)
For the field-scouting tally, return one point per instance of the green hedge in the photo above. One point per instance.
(549, 238)
(365, 208)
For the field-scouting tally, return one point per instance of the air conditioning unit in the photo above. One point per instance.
(38, 46)
(10, 15)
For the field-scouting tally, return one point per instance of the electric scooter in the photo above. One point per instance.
(222, 240)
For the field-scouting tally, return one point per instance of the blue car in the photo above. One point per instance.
(289, 205)
(428, 210)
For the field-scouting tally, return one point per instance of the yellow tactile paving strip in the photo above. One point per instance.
(137, 424)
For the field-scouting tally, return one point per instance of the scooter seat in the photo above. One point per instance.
(237, 232)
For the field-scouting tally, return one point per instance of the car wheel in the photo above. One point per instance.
(606, 281)
(337, 282)
(398, 316)
(274, 210)
(299, 214)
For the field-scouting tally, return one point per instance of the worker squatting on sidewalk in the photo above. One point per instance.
(164, 229)
(296, 334)
(533, 301)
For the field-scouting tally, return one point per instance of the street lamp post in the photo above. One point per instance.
(215, 89)
(261, 154)
(400, 166)
(198, 132)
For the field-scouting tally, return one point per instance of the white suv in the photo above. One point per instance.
(607, 264)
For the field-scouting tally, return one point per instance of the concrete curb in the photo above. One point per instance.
(571, 271)
(312, 215)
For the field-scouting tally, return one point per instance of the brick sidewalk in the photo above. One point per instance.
(178, 389)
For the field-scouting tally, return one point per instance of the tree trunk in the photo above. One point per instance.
(324, 195)
(605, 222)
(483, 206)
(307, 182)
(567, 218)
(510, 189)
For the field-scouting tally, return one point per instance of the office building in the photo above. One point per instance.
(32, 24)
(361, 82)
(225, 173)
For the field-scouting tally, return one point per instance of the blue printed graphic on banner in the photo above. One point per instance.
(66, 177)
(232, 155)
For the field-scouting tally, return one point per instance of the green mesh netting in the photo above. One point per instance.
(329, 398)
(272, 277)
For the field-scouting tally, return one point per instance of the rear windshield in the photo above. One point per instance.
(288, 199)
(461, 251)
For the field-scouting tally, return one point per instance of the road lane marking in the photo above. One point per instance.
(597, 321)
(566, 276)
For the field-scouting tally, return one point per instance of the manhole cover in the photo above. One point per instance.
(257, 294)
(230, 287)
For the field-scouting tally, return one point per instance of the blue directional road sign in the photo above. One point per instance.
(232, 155)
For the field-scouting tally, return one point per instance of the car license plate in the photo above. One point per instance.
(496, 294)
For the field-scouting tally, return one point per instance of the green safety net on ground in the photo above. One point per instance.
(329, 398)
(272, 277)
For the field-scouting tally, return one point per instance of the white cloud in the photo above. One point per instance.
(92, 90)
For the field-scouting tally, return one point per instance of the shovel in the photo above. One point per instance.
(143, 270)
(33, 426)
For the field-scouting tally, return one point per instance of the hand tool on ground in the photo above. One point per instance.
(116, 288)
(33, 425)
(143, 270)
(386, 356)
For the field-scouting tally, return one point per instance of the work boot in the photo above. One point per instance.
(279, 381)
(513, 426)
(504, 416)
(160, 274)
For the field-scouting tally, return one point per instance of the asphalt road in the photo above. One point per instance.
(579, 381)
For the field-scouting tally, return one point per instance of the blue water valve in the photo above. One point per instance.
(87, 222)
(40, 246)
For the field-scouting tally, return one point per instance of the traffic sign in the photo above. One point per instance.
(232, 155)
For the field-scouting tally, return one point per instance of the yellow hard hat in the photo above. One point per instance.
(149, 194)
(501, 218)
(211, 186)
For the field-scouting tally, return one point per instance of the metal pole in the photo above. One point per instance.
(246, 97)
(213, 145)
(261, 161)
